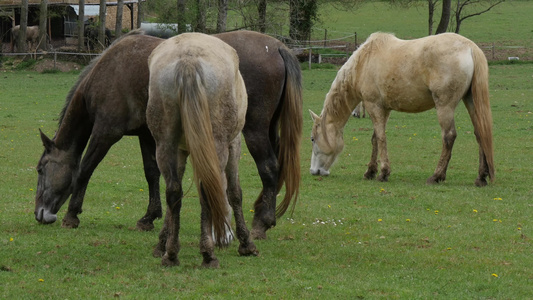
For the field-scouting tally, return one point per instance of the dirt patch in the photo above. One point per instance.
(49, 64)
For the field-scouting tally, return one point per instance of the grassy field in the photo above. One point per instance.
(348, 238)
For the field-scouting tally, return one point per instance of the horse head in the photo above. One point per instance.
(327, 144)
(54, 185)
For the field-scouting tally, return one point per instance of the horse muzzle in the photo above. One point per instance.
(319, 172)
(44, 216)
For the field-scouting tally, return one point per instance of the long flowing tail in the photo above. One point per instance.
(291, 124)
(480, 96)
(196, 122)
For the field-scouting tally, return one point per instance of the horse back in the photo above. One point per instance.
(115, 90)
(263, 71)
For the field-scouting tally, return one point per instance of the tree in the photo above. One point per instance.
(222, 15)
(101, 24)
(182, 26)
(261, 10)
(445, 16)
(302, 14)
(81, 25)
(43, 17)
(200, 16)
(21, 40)
(461, 14)
(118, 23)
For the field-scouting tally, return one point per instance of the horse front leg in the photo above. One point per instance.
(152, 174)
(447, 124)
(379, 118)
(96, 151)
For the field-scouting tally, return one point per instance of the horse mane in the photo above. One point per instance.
(87, 70)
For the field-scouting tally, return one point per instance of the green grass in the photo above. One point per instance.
(348, 238)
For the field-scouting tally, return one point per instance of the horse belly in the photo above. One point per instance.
(410, 99)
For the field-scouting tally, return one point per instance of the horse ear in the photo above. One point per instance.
(314, 116)
(47, 142)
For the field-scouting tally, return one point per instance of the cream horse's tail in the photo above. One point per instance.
(196, 122)
(480, 96)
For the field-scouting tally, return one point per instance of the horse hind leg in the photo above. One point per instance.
(266, 161)
(448, 132)
(483, 171)
(234, 192)
(160, 248)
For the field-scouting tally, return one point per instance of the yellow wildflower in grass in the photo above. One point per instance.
(498, 199)
(41, 280)
(118, 207)
(379, 220)
(436, 212)
(141, 190)
(382, 190)
(475, 210)
(329, 206)
(494, 275)
(31, 190)
(251, 210)
(407, 220)
(10, 239)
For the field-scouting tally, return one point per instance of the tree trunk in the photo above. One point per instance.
(21, 40)
(182, 27)
(81, 25)
(302, 13)
(43, 17)
(101, 24)
(118, 23)
(445, 16)
(140, 13)
(200, 16)
(222, 15)
(431, 11)
(261, 9)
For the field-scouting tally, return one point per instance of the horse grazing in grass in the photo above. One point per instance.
(32, 35)
(197, 106)
(109, 101)
(387, 74)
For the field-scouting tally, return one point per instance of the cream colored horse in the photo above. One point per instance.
(387, 74)
(197, 105)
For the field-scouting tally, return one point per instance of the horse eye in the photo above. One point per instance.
(312, 139)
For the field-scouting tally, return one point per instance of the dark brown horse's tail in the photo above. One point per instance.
(291, 124)
(196, 121)
(480, 96)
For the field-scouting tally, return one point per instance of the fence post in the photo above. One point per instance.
(355, 37)
(55, 59)
(325, 37)
(310, 56)
(493, 50)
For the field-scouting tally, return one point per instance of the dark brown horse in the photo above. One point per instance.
(104, 109)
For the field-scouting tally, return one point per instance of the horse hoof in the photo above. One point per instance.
(369, 175)
(258, 234)
(144, 225)
(70, 222)
(481, 182)
(167, 262)
(158, 253)
(250, 250)
(382, 178)
(212, 264)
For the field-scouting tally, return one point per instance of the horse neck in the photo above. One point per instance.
(75, 128)
(341, 99)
